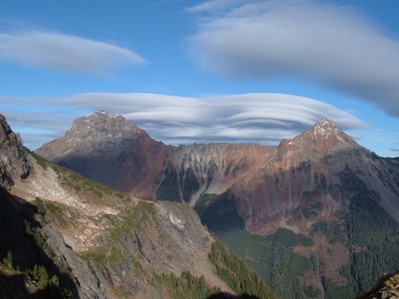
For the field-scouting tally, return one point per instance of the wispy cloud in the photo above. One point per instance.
(62, 52)
(212, 6)
(318, 40)
(242, 118)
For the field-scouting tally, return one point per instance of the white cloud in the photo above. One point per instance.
(211, 6)
(243, 118)
(330, 44)
(62, 52)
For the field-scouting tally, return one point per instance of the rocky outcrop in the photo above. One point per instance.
(388, 288)
(13, 157)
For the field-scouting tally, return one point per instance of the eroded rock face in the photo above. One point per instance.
(13, 157)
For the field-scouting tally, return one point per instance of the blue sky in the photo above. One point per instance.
(203, 71)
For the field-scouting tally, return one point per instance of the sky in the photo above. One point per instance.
(242, 71)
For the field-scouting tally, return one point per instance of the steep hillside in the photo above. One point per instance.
(112, 151)
(64, 236)
(319, 200)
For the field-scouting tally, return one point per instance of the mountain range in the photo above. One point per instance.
(316, 216)
(65, 236)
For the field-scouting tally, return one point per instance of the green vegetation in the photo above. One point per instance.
(8, 260)
(181, 206)
(185, 286)
(332, 231)
(37, 276)
(273, 258)
(41, 241)
(236, 273)
(333, 291)
(45, 206)
(121, 236)
(44, 163)
(373, 240)
(368, 232)
(311, 292)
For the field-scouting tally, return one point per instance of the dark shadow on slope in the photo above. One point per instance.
(15, 286)
(14, 214)
(221, 214)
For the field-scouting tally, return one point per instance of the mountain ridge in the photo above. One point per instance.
(94, 242)
(318, 186)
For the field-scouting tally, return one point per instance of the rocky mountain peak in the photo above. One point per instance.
(102, 123)
(325, 128)
(102, 113)
(323, 135)
(102, 131)
(13, 157)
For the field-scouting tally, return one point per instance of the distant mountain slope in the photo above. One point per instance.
(64, 236)
(319, 200)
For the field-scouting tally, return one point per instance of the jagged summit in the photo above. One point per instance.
(323, 134)
(325, 128)
(102, 123)
(100, 112)
(101, 131)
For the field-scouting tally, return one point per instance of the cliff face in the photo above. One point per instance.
(13, 159)
(100, 243)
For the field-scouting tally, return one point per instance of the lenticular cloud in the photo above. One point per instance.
(57, 51)
(330, 44)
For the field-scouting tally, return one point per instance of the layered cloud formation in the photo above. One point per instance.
(61, 52)
(327, 43)
(243, 118)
